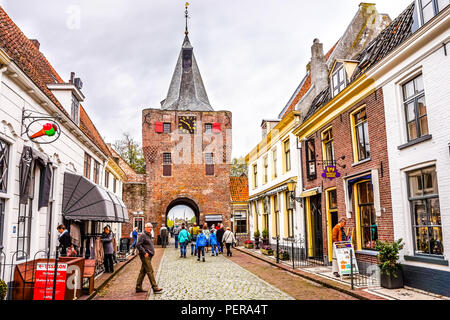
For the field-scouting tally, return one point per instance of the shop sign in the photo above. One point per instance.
(342, 254)
(43, 285)
(330, 172)
(40, 128)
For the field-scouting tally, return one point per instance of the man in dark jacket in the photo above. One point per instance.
(65, 241)
(219, 235)
(108, 250)
(146, 253)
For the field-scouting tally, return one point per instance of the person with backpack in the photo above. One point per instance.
(213, 243)
(194, 233)
(200, 244)
(176, 231)
(228, 239)
(184, 238)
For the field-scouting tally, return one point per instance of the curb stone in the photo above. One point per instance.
(301, 274)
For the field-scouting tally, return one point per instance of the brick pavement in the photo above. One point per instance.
(122, 285)
(217, 278)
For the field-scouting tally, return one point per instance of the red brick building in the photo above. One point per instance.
(239, 207)
(187, 148)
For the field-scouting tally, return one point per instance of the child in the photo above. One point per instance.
(213, 242)
(200, 244)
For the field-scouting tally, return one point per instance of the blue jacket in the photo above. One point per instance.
(135, 235)
(201, 240)
(184, 236)
(212, 239)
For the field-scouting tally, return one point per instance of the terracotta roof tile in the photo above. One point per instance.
(239, 188)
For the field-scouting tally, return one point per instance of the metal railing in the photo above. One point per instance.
(294, 253)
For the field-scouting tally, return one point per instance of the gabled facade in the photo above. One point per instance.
(32, 205)
(415, 81)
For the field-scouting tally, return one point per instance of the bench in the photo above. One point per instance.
(89, 273)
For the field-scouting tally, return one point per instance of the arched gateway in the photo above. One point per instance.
(181, 204)
(187, 149)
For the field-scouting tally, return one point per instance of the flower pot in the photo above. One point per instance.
(248, 245)
(265, 241)
(284, 256)
(267, 252)
(257, 242)
(391, 282)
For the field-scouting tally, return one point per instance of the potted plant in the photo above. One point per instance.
(256, 235)
(283, 255)
(267, 250)
(391, 271)
(3, 289)
(265, 236)
(248, 244)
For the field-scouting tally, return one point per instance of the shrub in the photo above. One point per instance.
(256, 234)
(388, 256)
(3, 289)
(265, 234)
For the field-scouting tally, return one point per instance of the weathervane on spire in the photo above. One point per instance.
(186, 14)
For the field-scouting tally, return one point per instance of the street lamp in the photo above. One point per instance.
(291, 188)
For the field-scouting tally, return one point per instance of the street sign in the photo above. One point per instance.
(43, 285)
(342, 252)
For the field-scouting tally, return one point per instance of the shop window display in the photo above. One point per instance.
(426, 214)
(368, 219)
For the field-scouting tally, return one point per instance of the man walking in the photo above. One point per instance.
(176, 231)
(228, 239)
(219, 235)
(163, 233)
(338, 235)
(146, 252)
(108, 250)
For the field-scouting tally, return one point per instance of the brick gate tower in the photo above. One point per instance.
(187, 148)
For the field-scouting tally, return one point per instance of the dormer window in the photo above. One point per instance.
(75, 110)
(338, 79)
(430, 8)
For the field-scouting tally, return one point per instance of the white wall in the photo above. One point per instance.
(429, 60)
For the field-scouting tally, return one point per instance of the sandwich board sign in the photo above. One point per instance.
(342, 252)
(45, 274)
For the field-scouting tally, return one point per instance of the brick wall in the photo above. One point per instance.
(188, 180)
(343, 152)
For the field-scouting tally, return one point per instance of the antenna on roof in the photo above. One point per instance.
(186, 15)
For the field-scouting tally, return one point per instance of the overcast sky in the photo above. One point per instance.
(252, 54)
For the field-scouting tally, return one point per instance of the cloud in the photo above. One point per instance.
(251, 54)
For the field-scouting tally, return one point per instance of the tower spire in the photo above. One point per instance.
(186, 15)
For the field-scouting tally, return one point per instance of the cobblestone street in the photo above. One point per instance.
(217, 278)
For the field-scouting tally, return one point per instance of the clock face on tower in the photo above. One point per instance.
(187, 124)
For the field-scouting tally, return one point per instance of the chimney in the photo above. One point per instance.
(319, 69)
(72, 75)
(36, 43)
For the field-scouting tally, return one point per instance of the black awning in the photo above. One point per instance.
(84, 200)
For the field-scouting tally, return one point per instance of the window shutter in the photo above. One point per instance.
(216, 127)
(158, 127)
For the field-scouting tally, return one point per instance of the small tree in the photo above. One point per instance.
(265, 234)
(256, 234)
(388, 256)
(131, 151)
(238, 167)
